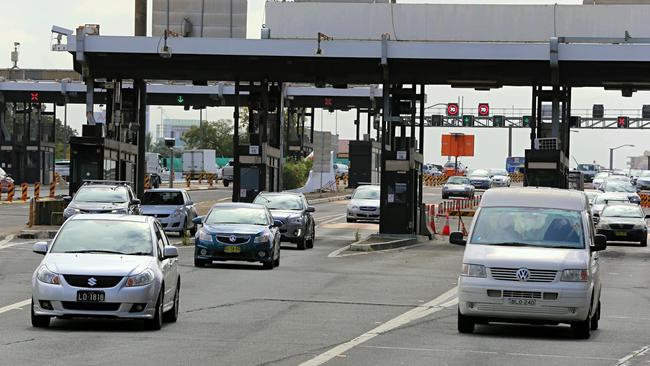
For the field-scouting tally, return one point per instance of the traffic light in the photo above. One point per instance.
(452, 109)
(574, 121)
(468, 121)
(498, 121)
(598, 111)
(645, 111)
(527, 120)
(34, 96)
(623, 122)
(436, 120)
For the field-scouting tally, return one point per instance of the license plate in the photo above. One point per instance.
(91, 296)
(528, 302)
(620, 233)
(232, 249)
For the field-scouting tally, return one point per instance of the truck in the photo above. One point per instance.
(197, 162)
(153, 168)
(228, 172)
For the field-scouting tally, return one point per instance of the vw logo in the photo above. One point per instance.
(523, 274)
(92, 281)
(233, 238)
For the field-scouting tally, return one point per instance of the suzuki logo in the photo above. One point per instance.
(523, 274)
(92, 281)
(233, 238)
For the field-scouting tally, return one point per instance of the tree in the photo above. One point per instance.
(61, 136)
(211, 135)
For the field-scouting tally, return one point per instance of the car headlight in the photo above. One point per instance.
(205, 236)
(46, 276)
(296, 220)
(575, 275)
(639, 226)
(467, 188)
(177, 212)
(264, 238)
(473, 270)
(353, 207)
(603, 226)
(70, 211)
(141, 279)
(119, 211)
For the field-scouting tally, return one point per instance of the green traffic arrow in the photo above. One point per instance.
(180, 99)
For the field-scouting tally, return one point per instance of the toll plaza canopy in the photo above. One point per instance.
(575, 62)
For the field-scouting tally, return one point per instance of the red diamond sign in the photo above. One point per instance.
(452, 109)
(483, 109)
(327, 102)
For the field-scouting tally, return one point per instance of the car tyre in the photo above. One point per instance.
(350, 219)
(310, 242)
(595, 318)
(172, 315)
(156, 322)
(200, 262)
(226, 183)
(644, 242)
(582, 329)
(39, 321)
(444, 196)
(268, 265)
(302, 243)
(465, 324)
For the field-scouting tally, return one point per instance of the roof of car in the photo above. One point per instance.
(165, 190)
(237, 204)
(112, 217)
(540, 197)
(280, 194)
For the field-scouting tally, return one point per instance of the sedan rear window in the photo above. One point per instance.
(366, 194)
(102, 194)
(104, 236)
(162, 198)
(458, 180)
(279, 202)
(535, 227)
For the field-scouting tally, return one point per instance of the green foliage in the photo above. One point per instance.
(295, 173)
(61, 136)
(211, 135)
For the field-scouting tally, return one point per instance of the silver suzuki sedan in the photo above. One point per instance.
(101, 265)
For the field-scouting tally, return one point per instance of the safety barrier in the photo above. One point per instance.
(53, 189)
(147, 181)
(37, 190)
(10, 192)
(448, 207)
(188, 180)
(645, 199)
(516, 177)
(432, 181)
(23, 193)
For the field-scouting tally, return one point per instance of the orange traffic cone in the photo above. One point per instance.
(445, 229)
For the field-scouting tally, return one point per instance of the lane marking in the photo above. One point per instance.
(15, 306)
(439, 303)
(336, 218)
(489, 353)
(338, 251)
(640, 352)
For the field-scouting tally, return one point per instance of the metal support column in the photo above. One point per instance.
(141, 89)
(311, 131)
(282, 142)
(235, 142)
(509, 141)
(421, 143)
(533, 119)
(357, 123)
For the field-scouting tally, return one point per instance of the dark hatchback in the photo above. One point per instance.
(294, 212)
(237, 232)
(623, 223)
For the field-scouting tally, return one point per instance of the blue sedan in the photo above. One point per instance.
(237, 232)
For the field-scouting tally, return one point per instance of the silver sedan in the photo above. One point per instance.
(364, 204)
(172, 207)
(117, 266)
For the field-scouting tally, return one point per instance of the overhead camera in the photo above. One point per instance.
(60, 32)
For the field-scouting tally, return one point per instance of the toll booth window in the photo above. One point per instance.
(88, 170)
(47, 132)
(34, 120)
(250, 178)
(33, 158)
(401, 190)
(20, 124)
(110, 173)
(7, 125)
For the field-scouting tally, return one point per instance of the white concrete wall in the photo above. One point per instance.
(458, 22)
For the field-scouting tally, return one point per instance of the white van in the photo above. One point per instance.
(531, 257)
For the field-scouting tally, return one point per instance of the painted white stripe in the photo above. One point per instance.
(418, 312)
(336, 218)
(451, 350)
(640, 352)
(3, 243)
(338, 251)
(15, 306)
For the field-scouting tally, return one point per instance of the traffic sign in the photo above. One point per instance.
(623, 122)
(33, 96)
(483, 109)
(180, 99)
(452, 109)
(327, 102)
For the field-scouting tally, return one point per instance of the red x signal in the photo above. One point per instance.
(34, 96)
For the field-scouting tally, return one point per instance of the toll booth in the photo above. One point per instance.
(27, 145)
(365, 163)
(546, 168)
(259, 169)
(94, 157)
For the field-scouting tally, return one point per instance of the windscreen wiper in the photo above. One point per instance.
(138, 253)
(511, 244)
(94, 251)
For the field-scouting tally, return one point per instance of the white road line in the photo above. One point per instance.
(431, 350)
(338, 251)
(418, 312)
(15, 306)
(325, 217)
(336, 218)
(640, 352)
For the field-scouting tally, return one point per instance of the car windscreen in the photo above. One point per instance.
(622, 211)
(279, 202)
(162, 198)
(586, 167)
(104, 236)
(601, 175)
(237, 215)
(645, 173)
(499, 172)
(619, 187)
(458, 180)
(366, 194)
(534, 227)
(102, 194)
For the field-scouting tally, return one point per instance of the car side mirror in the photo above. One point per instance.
(457, 238)
(40, 247)
(67, 199)
(276, 223)
(198, 220)
(189, 203)
(170, 251)
(311, 209)
(135, 201)
(600, 243)
(348, 196)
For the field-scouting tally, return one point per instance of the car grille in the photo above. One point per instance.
(510, 274)
(509, 309)
(238, 239)
(91, 306)
(522, 294)
(158, 216)
(621, 226)
(367, 208)
(101, 281)
(95, 211)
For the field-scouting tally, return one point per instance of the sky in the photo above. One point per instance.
(29, 22)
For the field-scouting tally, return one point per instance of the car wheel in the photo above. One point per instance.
(172, 315)
(276, 261)
(444, 196)
(465, 324)
(350, 219)
(156, 322)
(226, 183)
(310, 242)
(200, 262)
(267, 265)
(644, 242)
(301, 243)
(596, 318)
(39, 321)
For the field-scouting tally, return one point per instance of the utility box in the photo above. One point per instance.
(365, 163)
(546, 168)
(259, 170)
(196, 162)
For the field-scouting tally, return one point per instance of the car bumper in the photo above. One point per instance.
(481, 185)
(458, 193)
(119, 301)
(624, 235)
(499, 183)
(291, 232)
(249, 252)
(572, 302)
(171, 223)
(363, 214)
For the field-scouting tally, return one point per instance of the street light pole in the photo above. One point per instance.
(611, 154)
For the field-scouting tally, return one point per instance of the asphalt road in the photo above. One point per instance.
(394, 307)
